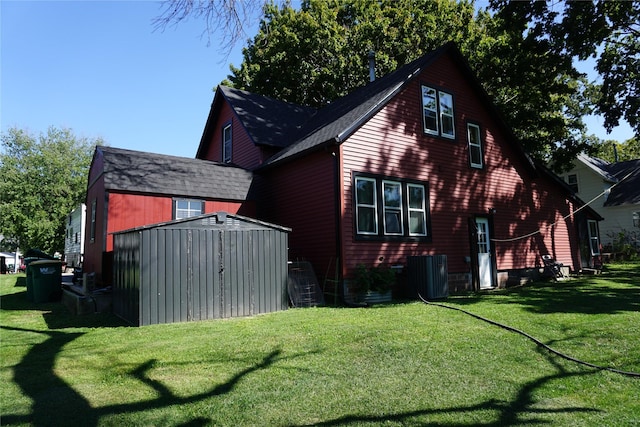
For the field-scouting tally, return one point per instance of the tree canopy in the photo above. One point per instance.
(608, 31)
(522, 52)
(43, 179)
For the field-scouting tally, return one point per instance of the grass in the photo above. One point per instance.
(395, 364)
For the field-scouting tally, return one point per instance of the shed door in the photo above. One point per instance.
(485, 263)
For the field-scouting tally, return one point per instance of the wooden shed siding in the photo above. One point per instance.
(302, 197)
(393, 144)
(244, 152)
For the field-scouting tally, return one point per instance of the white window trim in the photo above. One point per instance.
(475, 146)
(227, 152)
(189, 211)
(439, 113)
(443, 114)
(386, 209)
(422, 210)
(374, 206)
(435, 131)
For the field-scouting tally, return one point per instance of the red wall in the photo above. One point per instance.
(393, 144)
(126, 211)
(301, 195)
(244, 152)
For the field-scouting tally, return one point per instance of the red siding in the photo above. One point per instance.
(301, 195)
(126, 211)
(244, 152)
(393, 144)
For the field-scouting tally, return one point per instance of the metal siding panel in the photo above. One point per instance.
(198, 263)
(248, 264)
(160, 276)
(217, 255)
(283, 259)
(228, 248)
(169, 254)
(260, 250)
(152, 253)
(179, 282)
(268, 296)
(146, 300)
(235, 273)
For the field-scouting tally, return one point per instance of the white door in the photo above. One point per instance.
(484, 254)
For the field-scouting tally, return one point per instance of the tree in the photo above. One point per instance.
(606, 30)
(614, 151)
(43, 179)
(227, 17)
(319, 53)
(316, 54)
(523, 54)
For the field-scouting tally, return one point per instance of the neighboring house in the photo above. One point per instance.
(74, 236)
(417, 162)
(128, 189)
(615, 191)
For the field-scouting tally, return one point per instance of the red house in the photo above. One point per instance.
(128, 189)
(417, 162)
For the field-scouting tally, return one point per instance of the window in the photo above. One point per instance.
(417, 210)
(92, 230)
(475, 145)
(184, 208)
(594, 241)
(366, 211)
(437, 112)
(226, 144)
(392, 201)
(399, 205)
(572, 180)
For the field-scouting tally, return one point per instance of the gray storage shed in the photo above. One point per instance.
(210, 266)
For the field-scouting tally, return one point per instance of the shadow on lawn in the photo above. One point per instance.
(519, 411)
(57, 403)
(589, 295)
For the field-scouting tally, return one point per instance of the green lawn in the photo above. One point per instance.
(397, 364)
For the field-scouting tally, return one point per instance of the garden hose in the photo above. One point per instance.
(535, 340)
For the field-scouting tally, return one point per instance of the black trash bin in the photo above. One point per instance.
(45, 278)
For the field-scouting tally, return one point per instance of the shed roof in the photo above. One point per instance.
(142, 172)
(215, 220)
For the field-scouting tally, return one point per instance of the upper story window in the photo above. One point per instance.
(475, 146)
(186, 208)
(388, 208)
(226, 144)
(572, 180)
(437, 112)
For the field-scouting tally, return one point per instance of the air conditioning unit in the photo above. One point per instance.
(427, 276)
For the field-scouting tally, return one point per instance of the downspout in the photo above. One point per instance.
(337, 167)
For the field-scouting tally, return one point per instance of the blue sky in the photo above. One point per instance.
(99, 68)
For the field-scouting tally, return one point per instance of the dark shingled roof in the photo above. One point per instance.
(140, 172)
(625, 177)
(338, 120)
(627, 191)
(267, 120)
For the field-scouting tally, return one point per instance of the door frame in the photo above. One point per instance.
(473, 241)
